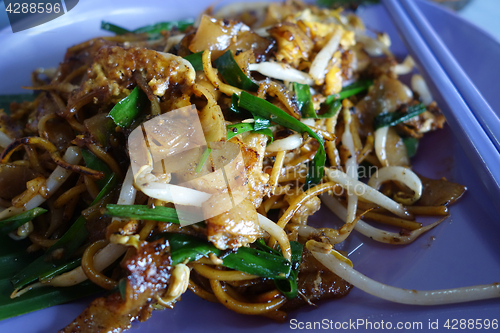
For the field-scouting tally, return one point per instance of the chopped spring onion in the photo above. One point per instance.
(122, 288)
(126, 110)
(350, 90)
(260, 123)
(236, 109)
(233, 130)
(394, 118)
(256, 262)
(143, 212)
(248, 260)
(196, 59)
(304, 100)
(153, 31)
(232, 73)
(203, 159)
(411, 145)
(164, 26)
(14, 222)
(94, 163)
(114, 28)
(288, 286)
(40, 298)
(263, 108)
(333, 108)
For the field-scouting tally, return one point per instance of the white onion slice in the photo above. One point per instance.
(407, 296)
(281, 72)
(291, 142)
(401, 174)
(55, 180)
(320, 63)
(418, 84)
(380, 144)
(366, 192)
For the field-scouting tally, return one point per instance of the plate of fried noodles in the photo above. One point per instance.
(170, 166)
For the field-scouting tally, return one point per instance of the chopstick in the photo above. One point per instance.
(472, 96)
(461, 116)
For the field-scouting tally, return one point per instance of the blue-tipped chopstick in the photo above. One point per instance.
(464, 110)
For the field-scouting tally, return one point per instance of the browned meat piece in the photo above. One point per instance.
(148, 276)
(316, 282)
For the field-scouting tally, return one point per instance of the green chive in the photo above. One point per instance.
(59, 253)
(196, 59)
(411, 145)
(252, 261)
(157, 28)
(304, 100)
(122, 287)
(203, 159)
(333, 108)
(14, 222)
(288, 286)
(143, 212)
(114, 28)
(350, 90)
(232, 73)
(40, 298)
(260, 107)
(126, 110)
(394, 118)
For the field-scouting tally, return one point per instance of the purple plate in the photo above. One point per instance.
(462, 251)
